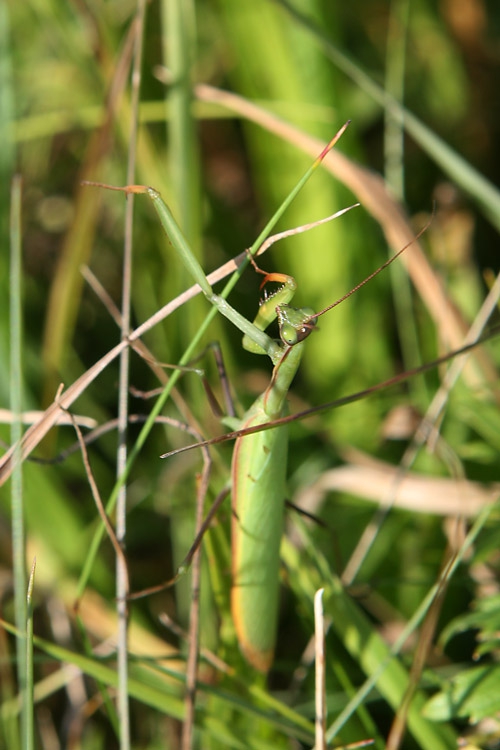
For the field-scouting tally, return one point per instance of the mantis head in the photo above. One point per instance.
(295, 323)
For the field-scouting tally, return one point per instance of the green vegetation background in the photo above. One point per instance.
(65, 116)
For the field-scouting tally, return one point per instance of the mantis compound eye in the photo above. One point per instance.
(295, 324)
(289, 335)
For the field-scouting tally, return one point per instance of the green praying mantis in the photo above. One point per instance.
(259, 463)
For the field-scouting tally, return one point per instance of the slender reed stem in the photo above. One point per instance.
(121, 509)
(29, 703)
(16, 387)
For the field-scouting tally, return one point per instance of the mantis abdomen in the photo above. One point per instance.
(258, 481)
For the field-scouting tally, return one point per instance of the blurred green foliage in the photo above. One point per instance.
(65, 115)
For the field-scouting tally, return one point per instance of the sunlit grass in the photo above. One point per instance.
(224, 168)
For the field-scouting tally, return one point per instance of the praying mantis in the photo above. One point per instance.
(258, 471)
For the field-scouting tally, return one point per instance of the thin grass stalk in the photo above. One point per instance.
(179, 54)
(395, 178)
(320, 688)
(121, 506)
(16, 399)
(8, 105)
(9, 725)
(29, 702)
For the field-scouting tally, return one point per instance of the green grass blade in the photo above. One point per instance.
(17, 491)
(29, 706)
